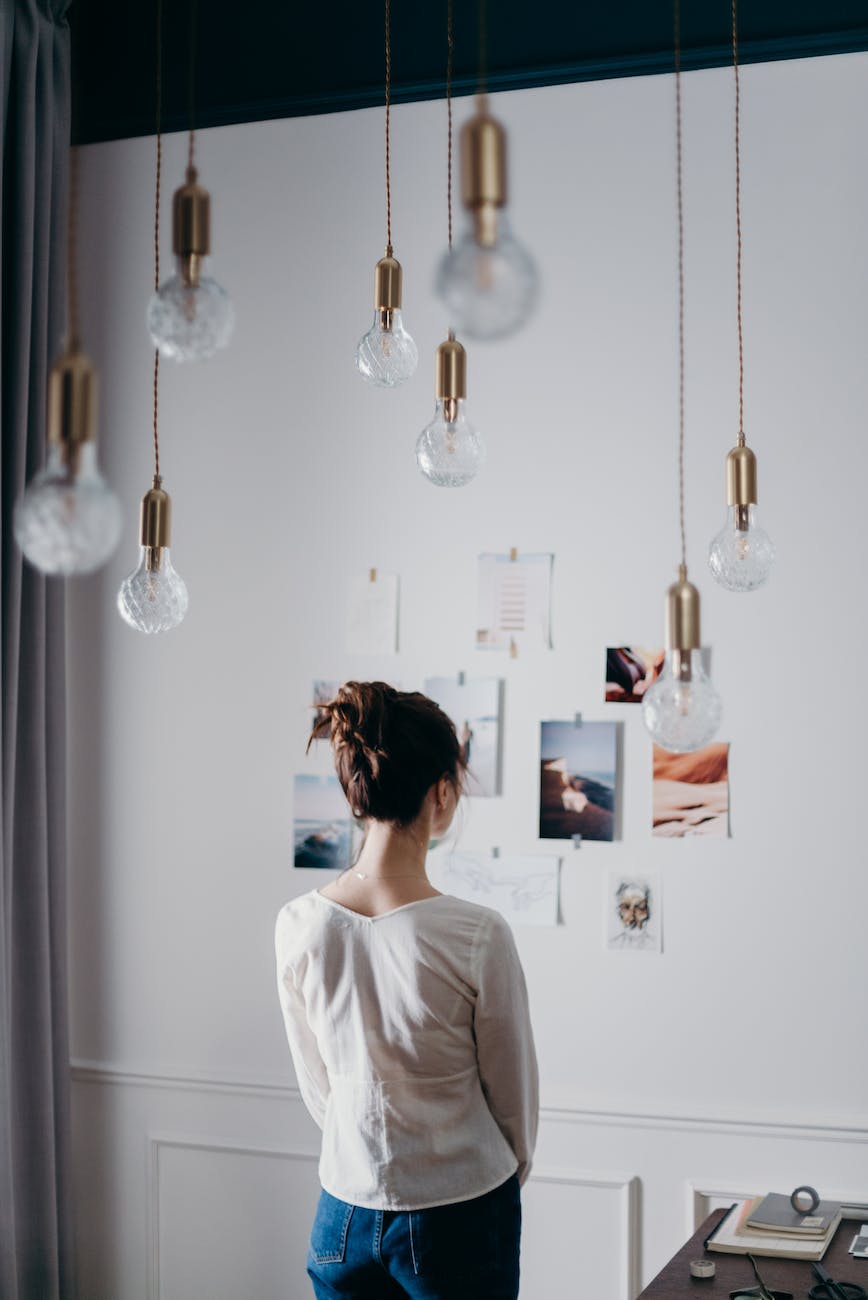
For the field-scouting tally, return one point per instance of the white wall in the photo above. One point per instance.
(731, 1064)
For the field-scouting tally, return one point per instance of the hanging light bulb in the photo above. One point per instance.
(487, 281)
(190, 316)
(682, 709)
(386, 355)
(449, 451)
(741, 555)
(153, 598)
(68, 521)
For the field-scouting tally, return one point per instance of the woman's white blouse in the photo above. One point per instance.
(411, 1039)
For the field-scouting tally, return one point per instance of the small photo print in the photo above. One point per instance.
(691, 792)
(578, 780)
(372, 614)
(514, 602)
(630, 670)
(323, 693)
(473, 704)
(634, 913)
(322, 825)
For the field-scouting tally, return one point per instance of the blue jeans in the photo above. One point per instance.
(464, 1251)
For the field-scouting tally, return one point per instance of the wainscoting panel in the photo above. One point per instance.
(580, 1226)
(233, 1215)
(194, 1188)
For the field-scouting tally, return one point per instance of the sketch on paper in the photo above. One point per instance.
(691, 792)
(634, 913)
(578, 780)
(322, 824)
(372, 614)
(523, 888)
(514, 602)
(630, 670)
(474, 705)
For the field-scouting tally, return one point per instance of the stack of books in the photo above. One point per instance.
(768, 1225)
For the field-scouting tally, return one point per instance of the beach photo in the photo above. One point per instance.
(691, 792)
(630, 670)
(322, 824)
(578, 780)
(474, 705)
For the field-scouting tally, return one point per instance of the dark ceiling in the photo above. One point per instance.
(258, 59)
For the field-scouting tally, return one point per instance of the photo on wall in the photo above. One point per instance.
(474, 705)
(578, 780)
(515, 593)
(630, 670)
(323, 693)
(691, 792)
(322, 824)
(372, 614)
(634, 913)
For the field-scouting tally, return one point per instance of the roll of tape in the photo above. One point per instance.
(702, 1268)
(804, 1200)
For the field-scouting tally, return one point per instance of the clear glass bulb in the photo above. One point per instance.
(386, 355)
(68, 520)
(741, 555)
(153, 598)
(189, 322)
(682, 709)
(450, 452)
(489, 288)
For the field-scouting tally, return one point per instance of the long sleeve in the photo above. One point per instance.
(504, 1041)
(313, 1079)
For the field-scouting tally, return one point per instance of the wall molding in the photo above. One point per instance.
(104, 1073)
(628, 1186)
(158, 1142)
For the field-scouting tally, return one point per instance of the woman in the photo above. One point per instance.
(407, 1019)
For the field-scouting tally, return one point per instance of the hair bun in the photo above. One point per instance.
(389, 747)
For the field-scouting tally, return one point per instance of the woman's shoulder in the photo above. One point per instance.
(296, 919)
(461, 915)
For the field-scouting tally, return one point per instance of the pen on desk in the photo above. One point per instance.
(832, 1287)
(719, 1225)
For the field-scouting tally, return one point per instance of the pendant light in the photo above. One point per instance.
(488, 282)
(153, 598)
(190, 316)
(387, 355)
(68, 521)
(741, 555)
(681, 709)
(449, 450)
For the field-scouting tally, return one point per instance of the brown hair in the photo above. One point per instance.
(390, 747)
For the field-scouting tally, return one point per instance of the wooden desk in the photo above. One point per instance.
(674, 1282)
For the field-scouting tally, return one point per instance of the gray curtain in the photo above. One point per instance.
(35, 1231)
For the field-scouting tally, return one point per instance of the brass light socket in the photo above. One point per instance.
(156, 518)
(388, 283)
(451, 370)
(483, 161)
(682, 614)
(741, 477)
(191, 226)
(73, 393)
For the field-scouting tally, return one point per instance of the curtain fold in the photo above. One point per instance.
(35, 1212)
